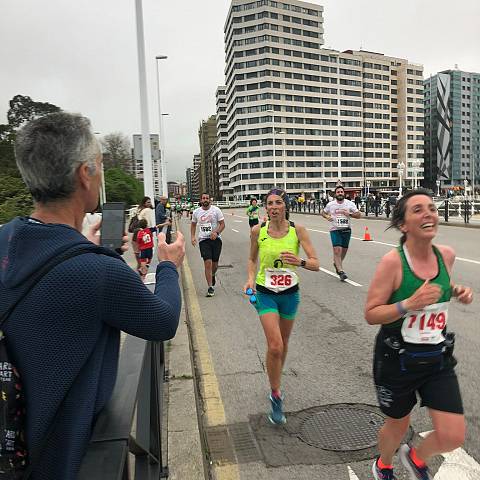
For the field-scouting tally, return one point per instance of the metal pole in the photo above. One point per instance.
(142, 76)
(163, 166)
(284, 163)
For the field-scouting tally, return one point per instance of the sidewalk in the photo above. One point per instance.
(185, 458)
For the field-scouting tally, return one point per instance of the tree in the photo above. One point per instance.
(122, 187)
(23, 109)
(116, 147)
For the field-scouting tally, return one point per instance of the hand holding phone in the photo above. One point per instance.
(113, 225)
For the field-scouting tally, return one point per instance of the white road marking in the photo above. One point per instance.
(458, 465)
(333, 274)
(236, 231)
(238, 221)
(461, 259)
(351, 474)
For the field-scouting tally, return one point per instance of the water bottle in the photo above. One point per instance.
(253, 298)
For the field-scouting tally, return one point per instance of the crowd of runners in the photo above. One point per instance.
(408, 299)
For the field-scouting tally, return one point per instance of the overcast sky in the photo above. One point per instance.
(82, 57)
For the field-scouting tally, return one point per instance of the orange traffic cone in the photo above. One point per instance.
(366, 236)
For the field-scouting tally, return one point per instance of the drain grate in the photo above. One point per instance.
(233, 443)
(340, 428)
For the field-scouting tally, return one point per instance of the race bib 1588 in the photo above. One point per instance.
(341, 221)
(280, 279)
(426, 326)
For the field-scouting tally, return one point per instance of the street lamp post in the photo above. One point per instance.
(400, 167)
(438, 187)
(103, 192)
(163, 166)
(368, 187)
(146, 150)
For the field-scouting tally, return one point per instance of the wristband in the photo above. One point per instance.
(401, 309)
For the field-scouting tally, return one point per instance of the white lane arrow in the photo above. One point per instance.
(351, 474)
(458, 465)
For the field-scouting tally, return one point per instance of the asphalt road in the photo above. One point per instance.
(330, 354)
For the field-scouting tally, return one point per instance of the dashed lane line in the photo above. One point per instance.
(236, 231)
(461, 259)
(333, 274)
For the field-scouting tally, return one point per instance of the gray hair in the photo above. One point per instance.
(49, 150)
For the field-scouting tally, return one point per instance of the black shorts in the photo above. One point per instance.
(252, 222)
(397, 390)
(211, 249)
(146, 254)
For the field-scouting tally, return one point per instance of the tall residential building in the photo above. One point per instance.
(189, 181)
(452, 128)
(207, 136)
(196, 177)
(138, 161)
(221, 147)
(334, 116)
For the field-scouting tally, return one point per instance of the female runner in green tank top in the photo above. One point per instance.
(408, 297)
(276, 243)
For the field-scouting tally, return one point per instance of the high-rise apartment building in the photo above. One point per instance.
(452, 128)
(196, 177)
(221, 146)
(349, 117)
(207, 136)
(138, 161)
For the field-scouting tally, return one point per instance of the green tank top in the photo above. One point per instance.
(411, 283)
(269, 250)
(252, 212)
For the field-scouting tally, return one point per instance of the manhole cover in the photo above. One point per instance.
(341, 428)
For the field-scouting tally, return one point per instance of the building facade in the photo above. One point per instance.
(452, 129)
(196, 174)
(138, 161)
(207, 136)
(307, 118)
(221, 147)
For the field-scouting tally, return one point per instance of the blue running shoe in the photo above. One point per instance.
(382, 473)
(276, 416)
(416, 473)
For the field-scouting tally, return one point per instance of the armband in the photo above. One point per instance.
(401, 309)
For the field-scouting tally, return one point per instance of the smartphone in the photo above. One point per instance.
(113, 225)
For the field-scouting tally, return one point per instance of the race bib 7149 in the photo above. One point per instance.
(426, 326)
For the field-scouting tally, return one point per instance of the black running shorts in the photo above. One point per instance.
(397, 390)
(211, 249)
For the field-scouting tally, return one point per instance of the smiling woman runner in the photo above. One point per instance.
(409, 297)
(277, 243)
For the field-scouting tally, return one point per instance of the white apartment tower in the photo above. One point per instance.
(349, 117)
(138, 161)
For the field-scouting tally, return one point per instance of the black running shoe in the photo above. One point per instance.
(342, 275)
(210, 292)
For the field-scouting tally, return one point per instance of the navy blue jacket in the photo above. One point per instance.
(66, 333)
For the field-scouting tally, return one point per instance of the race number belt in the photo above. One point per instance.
(280, 279)
(341, 221)
(425, 326)
(206, 228)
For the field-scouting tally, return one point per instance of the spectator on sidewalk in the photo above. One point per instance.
(145, 211)
(161, 214)
(64, 335)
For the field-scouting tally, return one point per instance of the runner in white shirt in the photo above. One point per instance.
(211, 223)
(339, 212)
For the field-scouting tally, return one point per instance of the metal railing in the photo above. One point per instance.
(138, 394)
